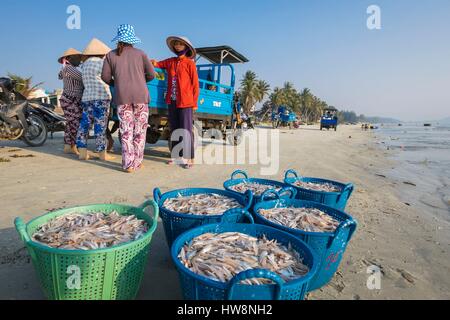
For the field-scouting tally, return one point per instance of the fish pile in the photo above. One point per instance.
(306, 219)
(222, 256)
(325, 186)
(76, 231)
(201, 204)
(256, 188)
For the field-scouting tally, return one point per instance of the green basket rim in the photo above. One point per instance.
(52, 250)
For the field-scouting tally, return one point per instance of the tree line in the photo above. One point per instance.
(303, 102)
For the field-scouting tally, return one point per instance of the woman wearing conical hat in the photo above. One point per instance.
(129, 69)
(182, 97)
(71, 97)
(95, 102)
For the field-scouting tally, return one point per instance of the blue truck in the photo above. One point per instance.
(283, 117)
(329, 119)
(216, 106)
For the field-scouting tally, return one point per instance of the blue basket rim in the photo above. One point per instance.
(291, 184)
(147, 236)
(237, 196)
(224, 285)
(301, 203)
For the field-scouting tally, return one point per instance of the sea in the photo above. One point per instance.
(423, 154)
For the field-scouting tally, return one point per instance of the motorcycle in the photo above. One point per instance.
(53, 121)
(19, 118)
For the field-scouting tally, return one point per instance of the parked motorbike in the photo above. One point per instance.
(19, 118)
(53, 121)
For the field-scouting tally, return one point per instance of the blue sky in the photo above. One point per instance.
(402, 70)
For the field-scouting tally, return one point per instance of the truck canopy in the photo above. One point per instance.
(221, 55)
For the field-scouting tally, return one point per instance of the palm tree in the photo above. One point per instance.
(263, 90)
(249, 91)
(24, 85)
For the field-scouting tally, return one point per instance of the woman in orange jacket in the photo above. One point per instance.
(182, 96)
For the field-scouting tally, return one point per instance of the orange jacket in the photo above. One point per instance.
(187, 80)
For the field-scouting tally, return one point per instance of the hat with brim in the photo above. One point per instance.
(125, 34)
(96, 48)
(170, 43)
(70, 53)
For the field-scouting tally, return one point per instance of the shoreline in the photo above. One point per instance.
(410, 248)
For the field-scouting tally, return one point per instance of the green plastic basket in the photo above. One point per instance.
(113, 273)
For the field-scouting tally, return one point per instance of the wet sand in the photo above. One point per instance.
(409, 245)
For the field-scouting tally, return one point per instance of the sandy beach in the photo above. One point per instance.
(409, 245)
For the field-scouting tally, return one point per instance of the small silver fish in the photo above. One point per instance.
(326, 186)
(257, 188)
(227, 254)
(75, 231)
(201, 204)
(306, 219)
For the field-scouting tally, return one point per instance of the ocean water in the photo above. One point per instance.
(423, 154)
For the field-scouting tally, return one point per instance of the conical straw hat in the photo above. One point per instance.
(68, 53)
(170, 41)
(96, 48)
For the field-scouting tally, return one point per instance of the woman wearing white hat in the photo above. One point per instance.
(71, 97)
(182, 97)
(129, 69)
(96, 100)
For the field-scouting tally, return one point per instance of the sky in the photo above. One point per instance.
(401, 70)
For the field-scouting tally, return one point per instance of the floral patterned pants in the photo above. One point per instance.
(72, 112)
(95, 112)
(133, 129)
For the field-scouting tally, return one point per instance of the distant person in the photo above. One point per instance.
(71, 97)
(182, 95)
(129, 69)
(95, 102)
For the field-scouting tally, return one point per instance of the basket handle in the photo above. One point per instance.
(154, 205)
(268, 192)
(229, 214)
(157, 194)
(348, 190)
(256, 273)
(237, 172)
(22, 230)
(290, 190)
(291, 172)
(351, 223)
(249, 199)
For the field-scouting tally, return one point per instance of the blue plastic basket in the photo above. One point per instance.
(287, 192)
(336, 200)
(197, 287)
(329, 246)
(176, 223)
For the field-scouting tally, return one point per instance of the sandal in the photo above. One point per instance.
(188, 166)
(129, 170)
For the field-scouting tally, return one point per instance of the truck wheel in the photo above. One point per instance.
(335, 128)
(320, 128)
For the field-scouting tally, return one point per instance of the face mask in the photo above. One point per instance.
(182, 53)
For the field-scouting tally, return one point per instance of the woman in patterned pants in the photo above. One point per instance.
(129, 69)
(70, 100)
(133, 126)
(95, 102)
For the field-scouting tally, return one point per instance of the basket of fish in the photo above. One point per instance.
(95, 252)
(242, 262)
(326, 229)
(257, 186)
(331, 193)
(186, 209)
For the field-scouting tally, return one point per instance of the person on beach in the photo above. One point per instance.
(71, 97)
(182, 96)
(95, 102)
(129, 69)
